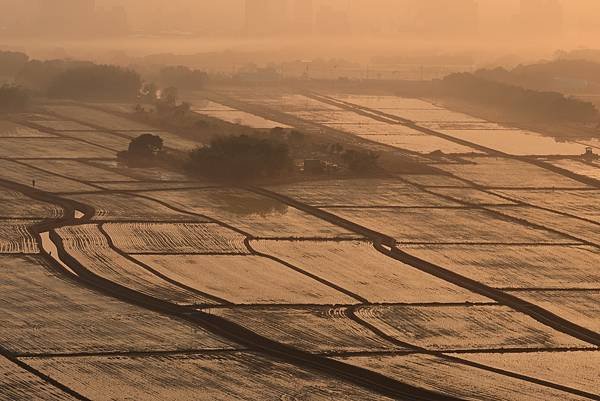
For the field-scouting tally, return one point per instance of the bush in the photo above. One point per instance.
(240, 158)
(96, 82)
(183, 77)
(142, 150)
(38, 75)
(12, 62)
(361, 161)
(13, 99)
(545, 106)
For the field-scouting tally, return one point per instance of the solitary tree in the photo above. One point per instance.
(142, 150)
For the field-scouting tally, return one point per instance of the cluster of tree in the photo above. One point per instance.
(39, 75)
(566, 75)
(143, 150)
(70, 78)
(239, 158)
(13, 99)
(517, 101)
(182, 77)
(361, 161)
(104, 82)
(11, 63)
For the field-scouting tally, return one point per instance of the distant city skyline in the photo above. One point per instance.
(239, 18)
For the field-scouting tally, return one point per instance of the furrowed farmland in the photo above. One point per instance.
(463, 267)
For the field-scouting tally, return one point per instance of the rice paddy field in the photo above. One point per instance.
(445, 328)
(590, 170)
(157, 286)
(185, 238)
(509, 173)
(368, 192)
(247, 279)
(360, 268)
(113, 142)
(518, 266)
(78, 170)
(17, 206)
(91, 249)
(518, 142)
(44, 313)
(49, 148)
(221, 377)
(584, 204)
(97, 118)
(459, 380)
(62, 125)
(128, 207)
(452, 225)
(9, 129)
(314, 329)
(16, 237)
(473, 196)
(581, 307)
(255, 214)
(575, 368)
(575, 228)
(19, 384)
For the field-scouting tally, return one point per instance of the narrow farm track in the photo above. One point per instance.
(387, 246)
(364, 378)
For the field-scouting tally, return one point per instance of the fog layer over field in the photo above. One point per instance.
(357, 30)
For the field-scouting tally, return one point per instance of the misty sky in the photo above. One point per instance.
(353, 29)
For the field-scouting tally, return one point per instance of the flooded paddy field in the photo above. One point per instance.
(518, 142)
(165, 287)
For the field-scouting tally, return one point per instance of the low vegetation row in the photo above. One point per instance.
(242, 158)
(512, 101)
